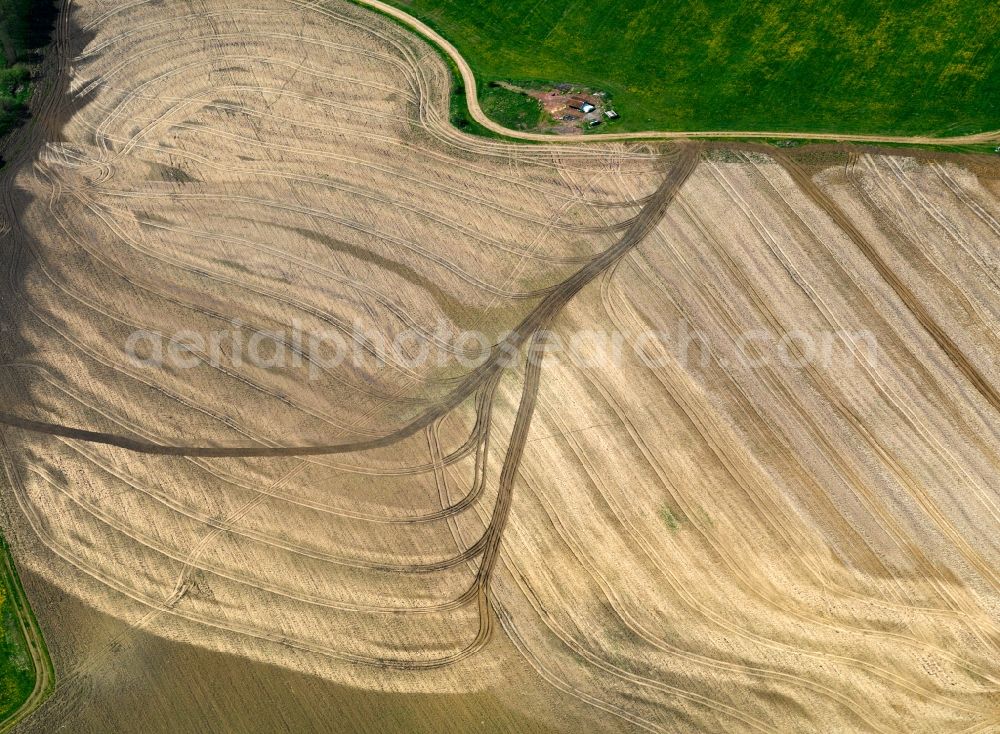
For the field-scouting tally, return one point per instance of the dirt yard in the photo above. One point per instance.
(571, 110)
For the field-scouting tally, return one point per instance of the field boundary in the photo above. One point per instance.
(476, 112)
(44, 670)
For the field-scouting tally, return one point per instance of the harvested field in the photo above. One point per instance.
(675, 539)
(241, 695)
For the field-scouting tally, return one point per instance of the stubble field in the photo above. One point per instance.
(662, 541)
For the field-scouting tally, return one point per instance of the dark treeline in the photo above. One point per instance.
(25, 27)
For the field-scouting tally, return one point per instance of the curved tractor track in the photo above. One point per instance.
(540, 318)
(673, 541)
(529, 333)
(645, 212)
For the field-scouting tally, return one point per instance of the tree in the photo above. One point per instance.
(8, 16)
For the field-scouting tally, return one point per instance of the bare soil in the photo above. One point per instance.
(443, 533)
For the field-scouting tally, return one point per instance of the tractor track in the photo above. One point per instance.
(902, 291)
(539, 318)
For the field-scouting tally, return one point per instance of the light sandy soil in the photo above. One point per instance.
(696, 545)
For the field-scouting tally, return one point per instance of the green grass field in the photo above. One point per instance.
(511, 109)
(17, 673)
(889, 67)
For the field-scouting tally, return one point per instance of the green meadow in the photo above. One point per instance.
(878, 67)
(513, 110)
(17, 672)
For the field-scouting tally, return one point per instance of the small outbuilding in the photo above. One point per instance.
(611, 114)
(587, 107)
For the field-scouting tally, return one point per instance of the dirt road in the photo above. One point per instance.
(44, 674)
(472, 95)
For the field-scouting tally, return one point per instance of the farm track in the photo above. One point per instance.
(489, 544)
(943, 340)
(672, 547)
(741, 476)
(469, 81)
(555, 299)
(44, 673)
